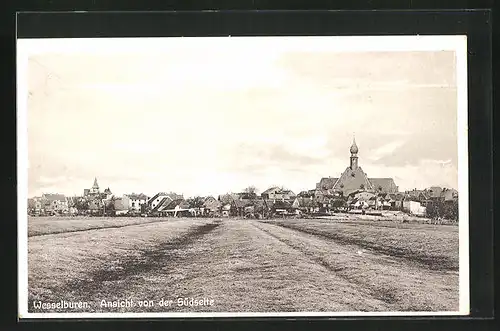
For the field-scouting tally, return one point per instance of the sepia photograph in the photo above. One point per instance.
(242, 176)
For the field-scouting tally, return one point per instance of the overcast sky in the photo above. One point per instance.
(209, 120)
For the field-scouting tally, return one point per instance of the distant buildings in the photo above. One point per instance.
(352, 190)
(134, 201)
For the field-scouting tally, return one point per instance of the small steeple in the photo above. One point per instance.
(354, 147)
(354, 154)
(96, 186)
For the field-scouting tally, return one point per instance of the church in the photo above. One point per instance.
(94, 191)
(354, 179)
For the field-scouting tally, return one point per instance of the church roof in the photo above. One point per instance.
(385, 185)
(351, 180)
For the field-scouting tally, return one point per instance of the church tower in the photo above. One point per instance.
(95, 187)
(354, 155)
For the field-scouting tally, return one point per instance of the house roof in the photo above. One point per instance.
(53, 197)
(163, 203)
(172, 195)
(134, 196)
(174, 203)
(434, 191)
(107, 191)
(326, 183)
(271, 189)
(450, 194)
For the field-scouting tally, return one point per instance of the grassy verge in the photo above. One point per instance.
(435, 247)
(38, 226)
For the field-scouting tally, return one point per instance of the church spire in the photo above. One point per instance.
(96, 186)
(354, 154)
(354, 147)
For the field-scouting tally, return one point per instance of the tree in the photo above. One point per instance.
(441, 209)
(226, 199)
(195, 202)
(339, 203)
(250, 190)
(110, 205)
(82, 204)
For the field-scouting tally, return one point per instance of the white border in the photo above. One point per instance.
(27, 47)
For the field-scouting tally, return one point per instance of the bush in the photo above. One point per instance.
(441, 209)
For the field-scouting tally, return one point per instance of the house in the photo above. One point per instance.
(306, 194)
(278, 193)
(421, 196)
(211, 205)
(450, 195)
(398, 201)
(362, 199)
(135, 202)
(414, 208)
(54, 203)
(238, 207)
(177, 207)
(283, 206)
(120, 207)
(159, 197)
(306, 205)
(32, 206)
(435, 193)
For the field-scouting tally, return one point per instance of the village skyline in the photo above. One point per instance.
(172, 120)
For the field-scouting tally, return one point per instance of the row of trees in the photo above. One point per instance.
(442, 210)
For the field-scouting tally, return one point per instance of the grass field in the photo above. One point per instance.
(243, 265)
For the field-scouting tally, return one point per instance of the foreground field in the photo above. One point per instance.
(247, 266)
(39, 226)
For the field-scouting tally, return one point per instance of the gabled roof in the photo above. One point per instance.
(174, 203)
(271, 189)
(134, 196)
(163, 203)
(172, 195)
(351, 180)
(211, 201)
(450, 194)
(326, 183)
(53, 197)
(383, 185)
(434, 191)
